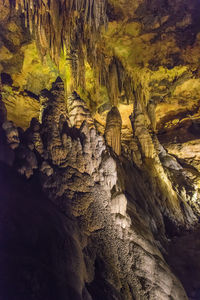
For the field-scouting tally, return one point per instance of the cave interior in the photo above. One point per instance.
(99, 149)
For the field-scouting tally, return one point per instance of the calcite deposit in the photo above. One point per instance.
(83, 179)
(99, 150)
(113, 130)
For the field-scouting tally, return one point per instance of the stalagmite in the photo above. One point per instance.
(113, 130)
(152, 114)
(78, 111)
(120, 204)
(12, 134)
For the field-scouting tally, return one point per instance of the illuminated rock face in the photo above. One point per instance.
(122, 216)
(20, 103)
(113, 130)
(118, 229)
(53, 116)
(78, 111)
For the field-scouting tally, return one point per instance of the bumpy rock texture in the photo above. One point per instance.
(102, 222)
(115, 232)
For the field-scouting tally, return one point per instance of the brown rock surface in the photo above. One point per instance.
(113, 130)
(126, 209)
(119, 222)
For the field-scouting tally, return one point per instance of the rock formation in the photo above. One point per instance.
(113, 130)
(152, 114)
(3, 112)
(85, 182)
(78, 111)
(99, 168)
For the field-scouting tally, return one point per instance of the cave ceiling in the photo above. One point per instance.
(114, 53)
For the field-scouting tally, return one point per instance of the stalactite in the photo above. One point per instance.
(81, 69)
(58, 19)
(75, 24)
(113, 83)
(86, 10)
(128, 89)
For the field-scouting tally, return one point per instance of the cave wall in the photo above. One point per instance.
(112, 143)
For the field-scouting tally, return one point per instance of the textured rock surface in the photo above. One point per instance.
(112, 206)
(120, 214)
(113, 130)
(20, 104)
(78, 111)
